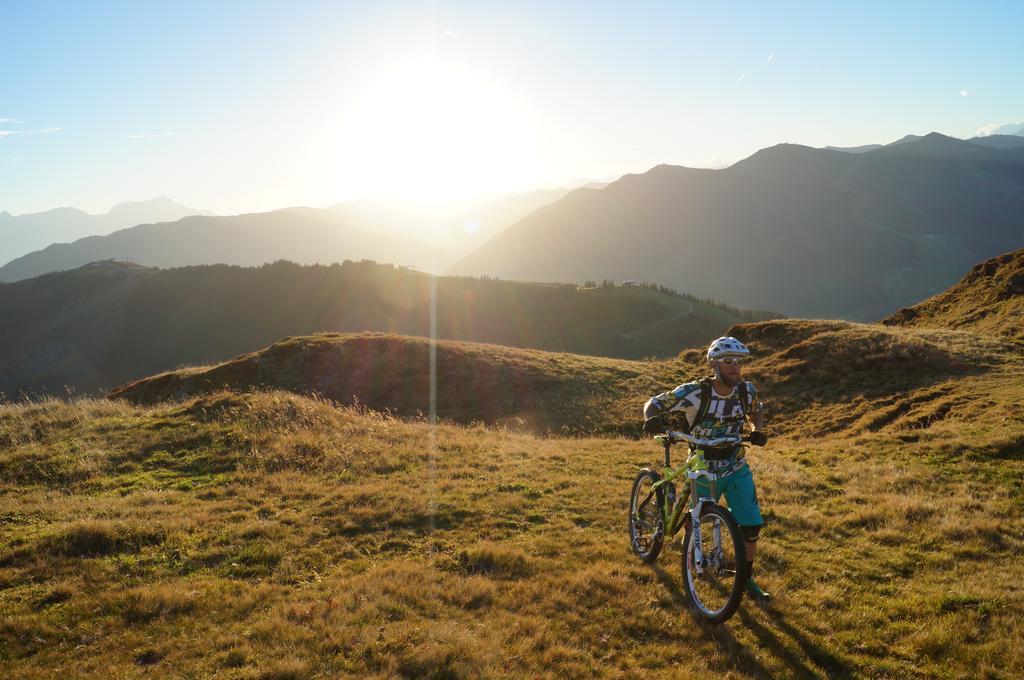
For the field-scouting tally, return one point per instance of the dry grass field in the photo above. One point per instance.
(292, 514)
(267, 534)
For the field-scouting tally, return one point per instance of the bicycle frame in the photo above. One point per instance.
(672, 515)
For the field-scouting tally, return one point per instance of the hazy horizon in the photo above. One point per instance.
(442, 206)
(454, 204)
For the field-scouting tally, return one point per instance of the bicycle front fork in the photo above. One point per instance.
(698, 541)
(698, 547)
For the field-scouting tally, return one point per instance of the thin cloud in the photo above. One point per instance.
(150, 135)
(740, 79)
(965, 93)
(10, 120)
(11, 133)
(1000, 129)
(769, 59)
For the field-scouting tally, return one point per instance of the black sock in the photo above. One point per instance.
(750, 568)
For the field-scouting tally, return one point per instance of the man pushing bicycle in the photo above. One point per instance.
(716, 407)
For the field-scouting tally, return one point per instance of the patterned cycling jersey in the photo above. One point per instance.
(724, 418)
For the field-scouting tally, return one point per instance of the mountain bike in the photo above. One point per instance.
(714, 560)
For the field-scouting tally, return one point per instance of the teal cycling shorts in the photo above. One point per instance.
(740, 495)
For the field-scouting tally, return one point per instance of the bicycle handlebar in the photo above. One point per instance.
(673, 437)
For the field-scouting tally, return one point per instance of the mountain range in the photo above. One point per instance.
(22, 234)
(810, 232)
(247, 240)
(851, 233)
(376, 230)
(1007, 141)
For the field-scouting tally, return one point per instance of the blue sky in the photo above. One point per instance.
(248, 106)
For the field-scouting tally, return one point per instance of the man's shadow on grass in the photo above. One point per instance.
(741, 658)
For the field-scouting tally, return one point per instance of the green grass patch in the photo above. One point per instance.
(340, 542)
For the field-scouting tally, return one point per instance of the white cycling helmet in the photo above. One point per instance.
(727, 346)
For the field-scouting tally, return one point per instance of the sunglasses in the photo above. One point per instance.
(733, 361)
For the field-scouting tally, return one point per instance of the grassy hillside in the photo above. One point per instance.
(989, 299)
(110, 322)
(832, 376)
(270, 535)
(541, 391)
(853, 378)
(254, 520)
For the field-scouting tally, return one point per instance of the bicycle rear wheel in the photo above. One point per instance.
(646, 525)
(717, 587)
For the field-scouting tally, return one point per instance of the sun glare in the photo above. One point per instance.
(430, 131)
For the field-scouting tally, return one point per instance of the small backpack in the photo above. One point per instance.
(705, 400)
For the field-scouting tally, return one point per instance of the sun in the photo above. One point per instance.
(426, 130)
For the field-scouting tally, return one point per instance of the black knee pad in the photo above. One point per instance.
(750, 533)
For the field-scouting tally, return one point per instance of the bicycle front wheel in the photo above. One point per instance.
(714, 581)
